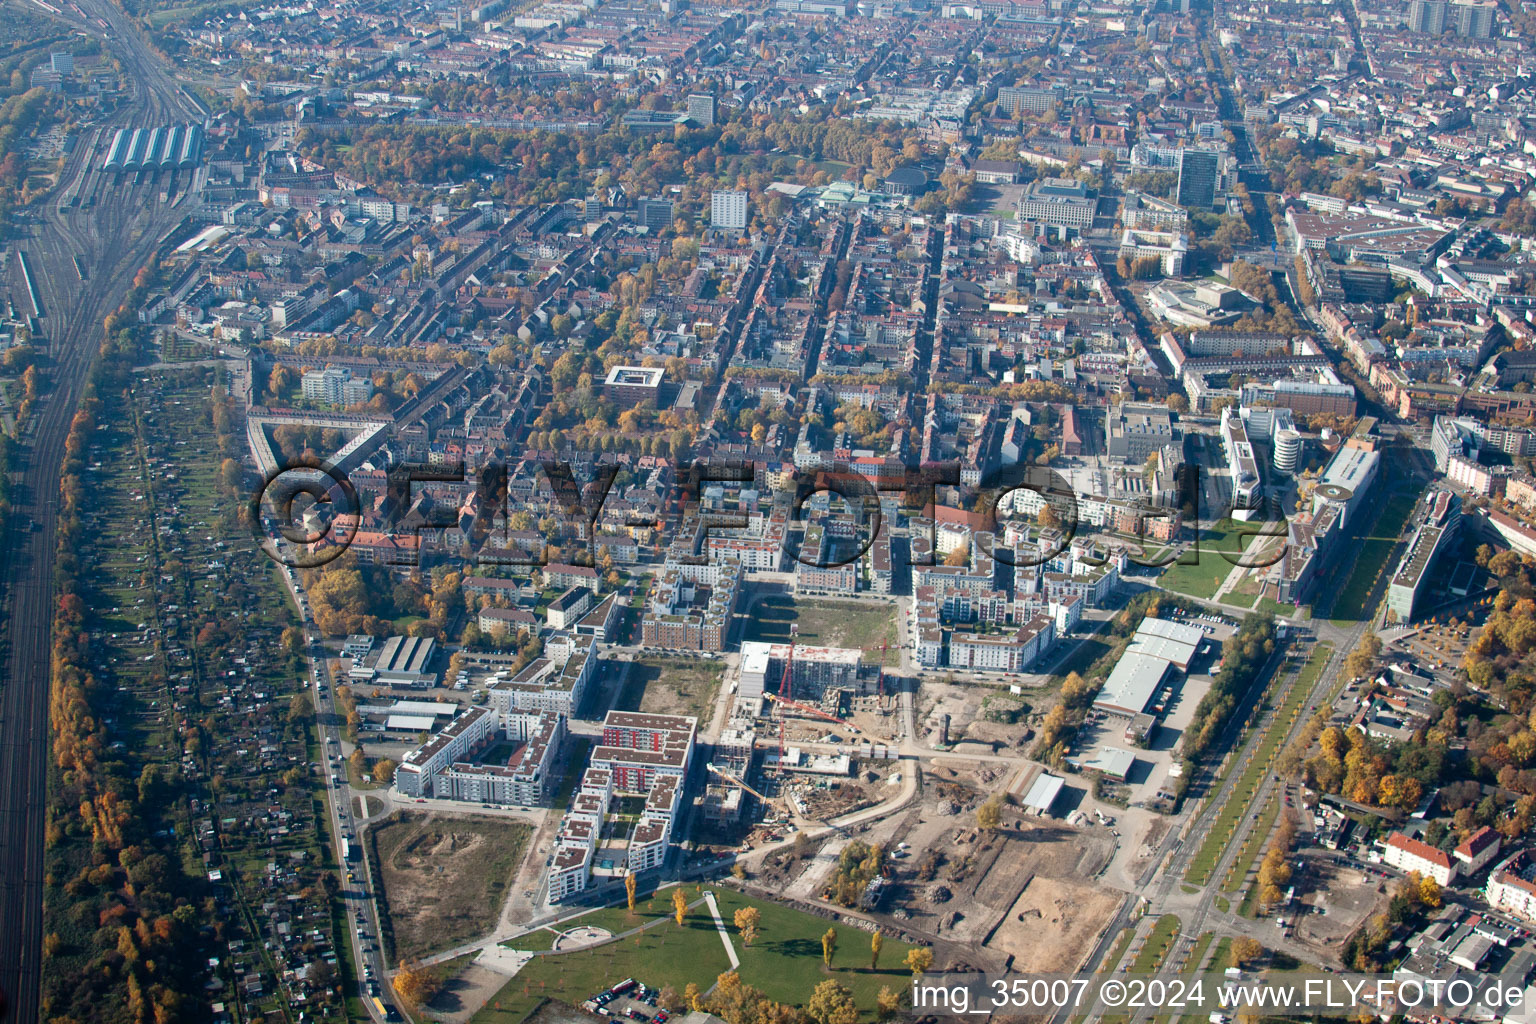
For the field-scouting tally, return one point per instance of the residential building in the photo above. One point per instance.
(1478, 850)
(418, 770)
(655, 214)
(568, 607)
(728, 210)
(1427, 17)
(1415, 856)
(1474, 20)
(1512, 887)
(1011, 100)
(640, 755)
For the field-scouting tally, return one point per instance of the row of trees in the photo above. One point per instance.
(125, 939)
(1243, 655)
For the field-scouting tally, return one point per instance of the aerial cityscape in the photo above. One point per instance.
(545, 510)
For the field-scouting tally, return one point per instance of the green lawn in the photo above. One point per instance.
(533, 941)
(1374, 549)
(784, 961)
(1208, 566)
(1158, 945)
(1198, 952)
(661, 955)
(1253, 848)
(1156, 949)
(1218, 964)
(859, 624)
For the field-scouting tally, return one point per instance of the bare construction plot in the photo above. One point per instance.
(444, 878)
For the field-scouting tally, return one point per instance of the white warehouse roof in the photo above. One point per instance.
(1043, 793)
(410, 723)
(1130, 687)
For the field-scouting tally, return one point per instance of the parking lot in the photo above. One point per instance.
(630, 999)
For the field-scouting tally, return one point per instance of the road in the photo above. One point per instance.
(360, 911)
(113, 239)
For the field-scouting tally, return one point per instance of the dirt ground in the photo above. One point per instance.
(841, 797)
(963, 884)
(444, 878)
(1349, 898)
(1053, 923)
(874, 722)
(671, 686)
(997, 734)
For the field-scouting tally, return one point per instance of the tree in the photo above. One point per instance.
(1245, 950)
(832, 1003)
(959, 556)
(384, 771)
(1362, 659)
(414, 985)
(358, 761)
(990, 814)
(887, 1002)
(669, 1000)
(1429, 892)
(629, 890)
(919, 960)
(692, 997)
(747, 920)
(828, 946)
(876, 941)
(679, 905)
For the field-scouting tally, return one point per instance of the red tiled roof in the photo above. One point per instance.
(1419, 849)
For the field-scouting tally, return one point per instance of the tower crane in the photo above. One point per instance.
(808, 709)
(787, 681)
(736, 781)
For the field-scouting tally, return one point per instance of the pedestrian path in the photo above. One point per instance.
(730, 950)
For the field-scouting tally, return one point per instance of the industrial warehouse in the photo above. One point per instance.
(147, 149)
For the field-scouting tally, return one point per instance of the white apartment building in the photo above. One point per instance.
(1407, 854)
(1004, 652)
(640, 754)
(553, 684)
(728, 209)
(419, 769)
(524, 780)
(335, 385)
(1512, 887)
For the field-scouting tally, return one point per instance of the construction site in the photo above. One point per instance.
(812, 734)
